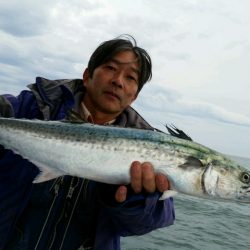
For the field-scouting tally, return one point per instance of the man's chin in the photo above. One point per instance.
(111, 109)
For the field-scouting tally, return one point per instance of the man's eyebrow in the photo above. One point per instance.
(137, 71)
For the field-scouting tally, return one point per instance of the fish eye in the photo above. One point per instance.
(245, 177)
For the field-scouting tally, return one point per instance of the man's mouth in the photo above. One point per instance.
(112, 94)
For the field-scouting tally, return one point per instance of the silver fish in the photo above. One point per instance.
(104, 154)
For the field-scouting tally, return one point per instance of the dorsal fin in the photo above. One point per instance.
(178, 133)
(73, 117)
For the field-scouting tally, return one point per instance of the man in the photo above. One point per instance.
(70, 212)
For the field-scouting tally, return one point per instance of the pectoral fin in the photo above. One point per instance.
(192, 162)
(168, 194)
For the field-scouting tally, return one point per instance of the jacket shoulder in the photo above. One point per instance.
(50, 94)
(48, 85)
(131, 118)
(50, 89)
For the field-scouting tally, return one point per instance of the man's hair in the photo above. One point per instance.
(108, 49)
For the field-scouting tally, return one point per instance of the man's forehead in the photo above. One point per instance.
(129, 62)
(125, 61)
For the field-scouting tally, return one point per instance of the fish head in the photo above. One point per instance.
(227, 181)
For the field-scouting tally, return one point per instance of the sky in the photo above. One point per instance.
(200, 51)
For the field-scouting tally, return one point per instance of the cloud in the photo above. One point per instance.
(24, 19)
(200, 51)
(215, 112)
(166, 100)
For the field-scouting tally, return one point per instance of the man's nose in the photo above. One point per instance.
(118, 79)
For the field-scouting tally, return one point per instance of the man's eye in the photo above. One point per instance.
(131, 78)
(110, 67)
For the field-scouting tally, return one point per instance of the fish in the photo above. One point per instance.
(104, 154)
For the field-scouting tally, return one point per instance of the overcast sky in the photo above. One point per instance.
(200, 51)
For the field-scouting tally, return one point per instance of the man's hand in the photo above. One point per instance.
(143, 177)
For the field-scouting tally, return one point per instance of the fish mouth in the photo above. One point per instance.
(244, 194)
(246, 189)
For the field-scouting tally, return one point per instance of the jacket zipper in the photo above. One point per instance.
(66, 209)
(56, 185)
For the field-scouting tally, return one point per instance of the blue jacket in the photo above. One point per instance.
(68, 212)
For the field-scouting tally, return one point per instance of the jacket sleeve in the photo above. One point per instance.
(139, 214)
(6, 109)
(16, 173)
(22, 106)
(16, 176)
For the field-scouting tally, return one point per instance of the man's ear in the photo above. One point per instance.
(85, 77)
(134, 98)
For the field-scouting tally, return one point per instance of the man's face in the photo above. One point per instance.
(113, 85)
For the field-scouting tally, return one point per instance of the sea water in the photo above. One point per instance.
(200, 225)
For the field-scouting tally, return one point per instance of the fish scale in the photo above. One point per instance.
(105, 153)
